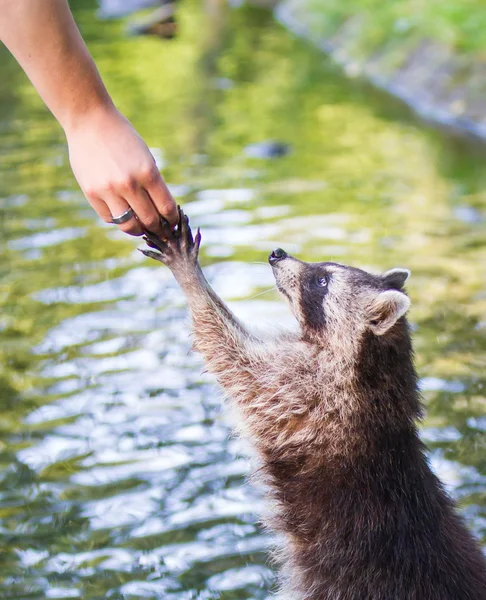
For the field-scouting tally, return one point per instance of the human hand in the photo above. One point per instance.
(116, 172)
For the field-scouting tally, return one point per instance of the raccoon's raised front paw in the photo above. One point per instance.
(178, 248)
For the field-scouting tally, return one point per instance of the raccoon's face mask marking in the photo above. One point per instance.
(329, 298)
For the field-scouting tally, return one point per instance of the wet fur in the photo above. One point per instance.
(332, 414)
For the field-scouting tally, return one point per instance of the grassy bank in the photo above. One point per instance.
(430, 54)
(458, 24)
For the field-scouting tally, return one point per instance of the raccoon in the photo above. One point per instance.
(332, 413)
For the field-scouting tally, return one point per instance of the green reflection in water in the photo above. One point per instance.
(118, 477)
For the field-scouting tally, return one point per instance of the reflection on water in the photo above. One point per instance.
(119, 478)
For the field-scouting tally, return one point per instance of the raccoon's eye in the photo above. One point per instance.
(323, 281)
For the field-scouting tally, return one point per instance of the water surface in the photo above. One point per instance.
(119, 477)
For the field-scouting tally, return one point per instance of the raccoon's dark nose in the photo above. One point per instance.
(277, 254)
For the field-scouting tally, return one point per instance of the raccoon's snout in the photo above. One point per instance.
(276, 255)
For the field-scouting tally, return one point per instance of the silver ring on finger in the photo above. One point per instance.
(123, 218)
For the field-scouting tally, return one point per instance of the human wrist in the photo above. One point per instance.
(92, 114)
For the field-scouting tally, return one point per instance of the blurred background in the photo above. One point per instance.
(119, 477)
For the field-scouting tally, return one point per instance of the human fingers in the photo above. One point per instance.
(161, 197)
(147, 213)
(101, 208)
(119, 206)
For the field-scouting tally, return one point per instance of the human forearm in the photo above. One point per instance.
(45, 40)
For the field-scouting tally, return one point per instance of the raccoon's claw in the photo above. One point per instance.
(185, 230)
(177, 232)
(166, 228)
(150, 243)
(150, 254)
(175, 245)
(197, 239)
(153, 240)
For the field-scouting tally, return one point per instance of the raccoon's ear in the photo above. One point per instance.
(385, 310)
(395, 278)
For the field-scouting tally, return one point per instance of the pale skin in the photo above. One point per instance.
(110, 161)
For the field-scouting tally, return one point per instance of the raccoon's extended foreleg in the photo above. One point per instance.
(254, 374)
(230, 351)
